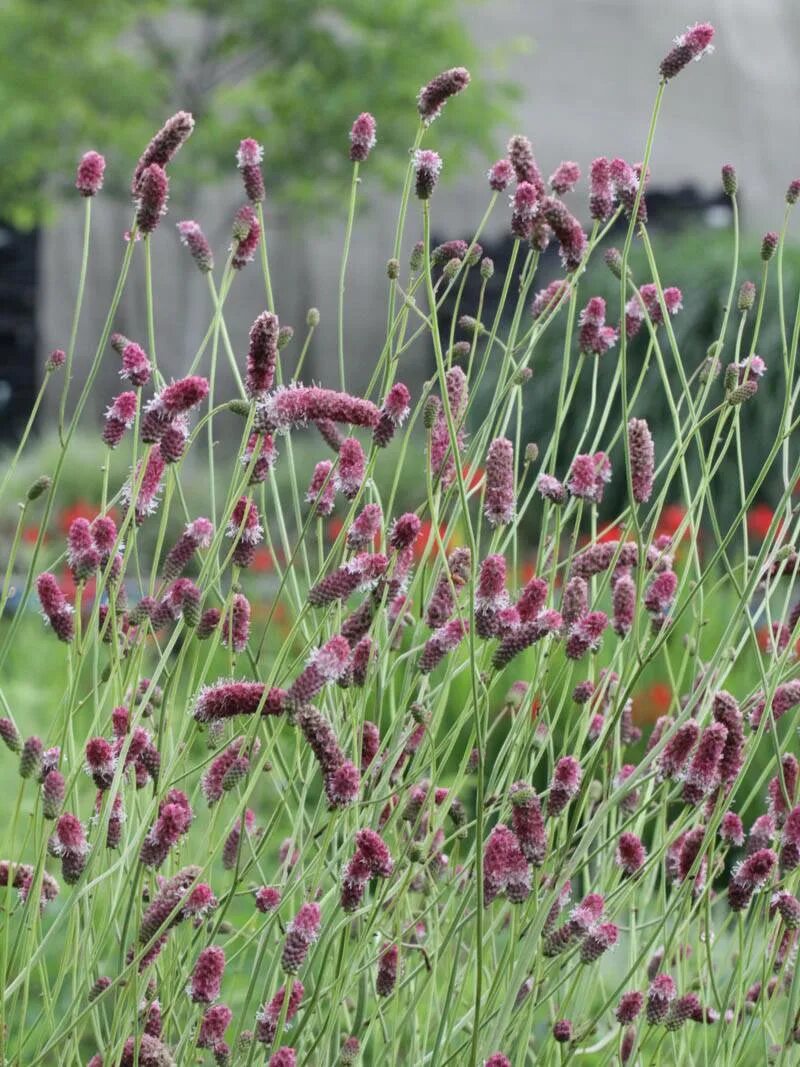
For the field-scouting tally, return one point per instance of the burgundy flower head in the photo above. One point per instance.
(89, 179)
(362, 137)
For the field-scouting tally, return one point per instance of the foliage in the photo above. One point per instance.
(80, 74)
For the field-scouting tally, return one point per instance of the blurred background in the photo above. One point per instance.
(577, 77)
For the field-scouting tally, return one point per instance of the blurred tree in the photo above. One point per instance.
(78, 74)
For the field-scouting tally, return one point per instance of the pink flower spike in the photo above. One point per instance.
(500, 503)
(207, 975)
(433, 96)
(693, 44)
(565, 177)
(193, 238)
(362, 137)
(89, 179)
(500, 175)
(248, 159)
(427, 167)
(152, 191)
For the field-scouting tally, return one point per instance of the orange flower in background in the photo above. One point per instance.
(334, 527)
(651, 703)
(473, 480)
(536, 707)
(759, 520)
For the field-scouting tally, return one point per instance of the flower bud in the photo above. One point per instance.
(393, 269)
(41, 485)
(769, 242)
(730, 182)
(747, 296)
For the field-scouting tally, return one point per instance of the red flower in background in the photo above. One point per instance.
(263, 561)
(651, 703)
(670, 519)
(610, 533)
(759, 520)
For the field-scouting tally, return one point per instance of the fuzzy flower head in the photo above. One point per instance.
(362, 137)
(248, 159)
(433, 96)
(193, 238)
(500, 175)
(136, 367)
(427, 167)
(589, 475)
(565, 177)
(246, 234)
(499, 506)
(693, 44)
(152, 193)
(55, 608)
(89, 179)
(640, 444)
(595, 337)
(206, 977)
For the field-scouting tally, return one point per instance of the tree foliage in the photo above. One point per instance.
(78, 74)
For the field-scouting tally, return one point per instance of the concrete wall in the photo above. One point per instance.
(587, 87)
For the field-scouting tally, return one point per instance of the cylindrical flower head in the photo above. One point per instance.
(101, 762)
(427, 167)
(213, 1025)
(631, 853)
(300, 404)
(197, 534)
(166, 143)
(89, 179)
(676, 751)
(624, 601)
(267, 899)
(564, 786)
(500, 175)
(703, 776)
(527, 823)
(441, 642)
(629, 1007)
(500, 503)
(588, 476)
(433, 96)
(565, 177)
(321, 490)
(601, 190)
(227, 699)
(395, 410)
(82, 554)
(193, 238)
(262, 355)
(597, 941)
(301, 933)
(729, 179)
(10, 735)
(152, 192)
(640, 443)
(693, 44)
(731, 830)
(404, 532)
(206, 978)
(660, 995)
(267, 1018)
(136, 367)
(54, 789)
(248, 159)
(769, 242)
(246, 235)
(30, 759)
(505, 868)
(388, 966)
(351, 469)
(236, 623)
(366, 526)
(284, 1057)
(362, 137)
(57, 612)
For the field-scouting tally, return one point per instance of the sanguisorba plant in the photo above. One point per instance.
(358, 845)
